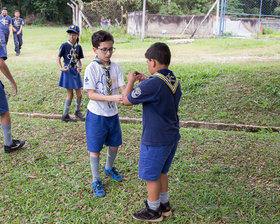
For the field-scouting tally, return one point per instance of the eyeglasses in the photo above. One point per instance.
(105, 50)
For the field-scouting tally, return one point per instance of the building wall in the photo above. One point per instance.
(173, 26)
(272, 23)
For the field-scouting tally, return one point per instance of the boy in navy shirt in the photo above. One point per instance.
(17, 24)
(160, 95)
(10, 144)
(5, 23)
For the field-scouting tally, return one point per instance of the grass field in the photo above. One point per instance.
(216, 177)
(227, 80)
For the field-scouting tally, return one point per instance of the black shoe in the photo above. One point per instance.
(165, 209)
(79, 115)
(17, 144)
(67, 118)
(148, 215)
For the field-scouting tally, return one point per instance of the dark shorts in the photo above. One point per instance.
(155, 160)
(101, 130)
(3, 100)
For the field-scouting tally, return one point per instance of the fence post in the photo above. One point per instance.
(221, 17)
(260, 15)
(143, 21)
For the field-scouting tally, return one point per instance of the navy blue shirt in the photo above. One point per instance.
(160, 107)
(3, 53)
(17, 23)
(4, 23)
(67, 51)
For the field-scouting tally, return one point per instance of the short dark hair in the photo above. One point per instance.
(160, 52)
(101, 36)
(16, 10)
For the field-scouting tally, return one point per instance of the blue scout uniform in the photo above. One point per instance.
(160, 96)
(71, 54)
(17, 23)
(3, 99)
(4, 30)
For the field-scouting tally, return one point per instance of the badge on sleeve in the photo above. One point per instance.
(136, 93)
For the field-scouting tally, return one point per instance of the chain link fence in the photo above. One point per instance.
(248, 17)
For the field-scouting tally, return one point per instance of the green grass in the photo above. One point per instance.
(225, 80)
(216, 177)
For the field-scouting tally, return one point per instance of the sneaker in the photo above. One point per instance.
(79, 115)
(98, 188)
(114, 174)
(165, 209)
(67, 118)
(17, 144)
(148, 215)
(17, 54)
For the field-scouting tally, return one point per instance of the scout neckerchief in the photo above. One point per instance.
(74, 47)
(108, 79)
(168, 78)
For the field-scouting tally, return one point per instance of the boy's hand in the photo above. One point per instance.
(131, 77)
(117, 99)
(14, 86)
(141, 77)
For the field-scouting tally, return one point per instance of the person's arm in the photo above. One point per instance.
(63, 69)
(93, 95)
(5, 70)
(20, 29)
(131, 78)
(13, 28)
(79, 66)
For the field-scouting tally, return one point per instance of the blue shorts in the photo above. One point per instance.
(155, 160)
(101, 131)
(3, 100)
(70, 79)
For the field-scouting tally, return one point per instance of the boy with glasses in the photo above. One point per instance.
(102, 80)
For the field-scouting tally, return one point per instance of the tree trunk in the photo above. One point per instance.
(169, 5)
(19, 5)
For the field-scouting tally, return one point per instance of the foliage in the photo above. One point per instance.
(52, 10)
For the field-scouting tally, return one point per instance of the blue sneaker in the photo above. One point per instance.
(113, 173)
(98, 189)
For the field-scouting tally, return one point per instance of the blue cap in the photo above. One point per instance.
(73, 28)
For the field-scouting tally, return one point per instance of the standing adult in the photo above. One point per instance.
(5, 23)
(17, 24)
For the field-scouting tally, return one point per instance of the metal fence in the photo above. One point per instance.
(248, 13)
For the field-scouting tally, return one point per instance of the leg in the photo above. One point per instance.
(16, 43)
(109, 169)
(6, 118)
(65, 116)
(78, 113)
(153, 188)
(10, 145)
(6, 127)
(152, 212)
(164, 196)
(163, 182)
(20, 40)
(96, 182)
